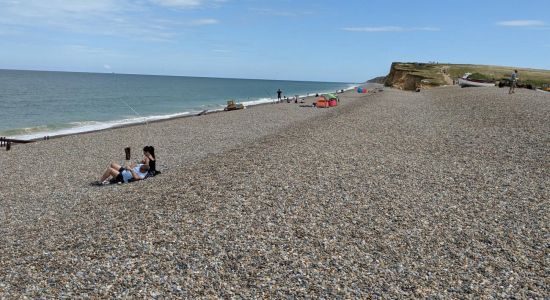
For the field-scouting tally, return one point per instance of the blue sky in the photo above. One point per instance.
(349, 41)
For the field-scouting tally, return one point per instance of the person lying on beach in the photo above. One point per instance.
(120, 174)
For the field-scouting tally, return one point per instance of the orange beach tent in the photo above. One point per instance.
(322, 102)
(325, 101)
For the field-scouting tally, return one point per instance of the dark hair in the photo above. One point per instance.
(151, 150)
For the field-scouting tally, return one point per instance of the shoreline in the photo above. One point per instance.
(51, 135)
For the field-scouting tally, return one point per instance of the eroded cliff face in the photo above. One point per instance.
(412, 75)
(403, 79)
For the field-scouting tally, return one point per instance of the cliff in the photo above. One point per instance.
(409, 76)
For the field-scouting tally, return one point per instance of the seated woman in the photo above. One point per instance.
(119, 174)
(150, 160)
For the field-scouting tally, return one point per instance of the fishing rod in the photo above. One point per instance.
(268, 95)
(126, 103)
(127, 149)
(144, 119)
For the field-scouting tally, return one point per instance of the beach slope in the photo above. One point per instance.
(443, 193)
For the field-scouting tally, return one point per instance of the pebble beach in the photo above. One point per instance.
(438, 194)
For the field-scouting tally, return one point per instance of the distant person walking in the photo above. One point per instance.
(279, 93)
(513, 82)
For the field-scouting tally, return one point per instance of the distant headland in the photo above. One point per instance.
(411, 75)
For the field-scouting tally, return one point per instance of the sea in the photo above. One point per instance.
(35, 104)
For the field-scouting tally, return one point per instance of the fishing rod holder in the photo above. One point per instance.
(5, 143)
(127, 152)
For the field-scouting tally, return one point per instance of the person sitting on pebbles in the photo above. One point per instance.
(120, 174)
(150, 160)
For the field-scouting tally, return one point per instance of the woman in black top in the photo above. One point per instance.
(150, 160)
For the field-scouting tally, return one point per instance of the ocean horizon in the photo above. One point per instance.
(34, 104)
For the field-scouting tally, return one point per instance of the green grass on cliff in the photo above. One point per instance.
(435, 72)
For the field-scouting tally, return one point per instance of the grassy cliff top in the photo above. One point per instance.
(440, 74)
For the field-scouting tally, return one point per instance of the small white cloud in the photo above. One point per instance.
(92, 51)
(279, 13)
(202, 22)
(389, 29)
(108, 67)
(187, 4)
(522, 23)
(273, 12)
(179, 3)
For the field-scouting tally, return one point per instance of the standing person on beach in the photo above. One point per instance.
(279, 93)
(513, 82)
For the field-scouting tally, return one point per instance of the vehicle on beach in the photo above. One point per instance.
(468, 81)
(231, 105)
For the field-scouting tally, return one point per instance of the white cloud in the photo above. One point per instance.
(108, 67)
(187, 4)
(201, 22)
(76, 15)
(522, 23)
(179, 3)
(273, 12)
(119, 18)
(389, 29)
(279, 13)
(38, 8)
(92, 51)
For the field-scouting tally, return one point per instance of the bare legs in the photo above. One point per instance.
(112, 170)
